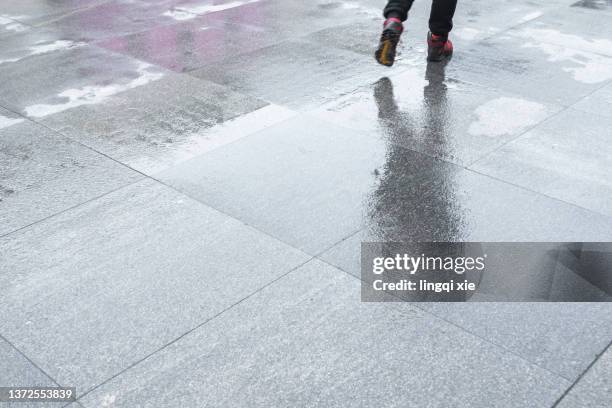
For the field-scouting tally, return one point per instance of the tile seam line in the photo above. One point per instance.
(29, 360)
(556, 199)
(483, 339)
(160, 182)
(575, 382)
(177, 191)
(7, 234)
(193, 329)
(272, 282)
(548, 118)
(463, 167)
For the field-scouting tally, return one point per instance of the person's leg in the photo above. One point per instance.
(397, 9)
(441, 17)
(439, 47)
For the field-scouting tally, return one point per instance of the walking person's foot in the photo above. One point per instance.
(439, 48)
(392, 30)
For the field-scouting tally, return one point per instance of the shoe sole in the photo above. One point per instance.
(384, 55)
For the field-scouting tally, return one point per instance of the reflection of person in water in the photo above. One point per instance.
(415, 198)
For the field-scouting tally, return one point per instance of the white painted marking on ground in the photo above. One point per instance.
(92, 94)
(6, 122)
(503, 116)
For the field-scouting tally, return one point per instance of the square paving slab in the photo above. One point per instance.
(299, 75)
(311, 184)
(307, 338)
(89, 292)
(191, 44)
(568, 157)
(302, 180)
(44, 173)
(165, 122)
(81, 75)
(113, 18)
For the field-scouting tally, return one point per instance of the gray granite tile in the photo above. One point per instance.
(44, 173)
(165, 122)
(279, 16)
(594, 389)
(311, 183)
(113, 18)
(299, 75)
(568, 157)
(425, 110)
(89, 292)
(81, 75)
(307, 340)
(193, 43)
(302, 181)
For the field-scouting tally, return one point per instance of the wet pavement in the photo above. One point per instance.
(185, 185)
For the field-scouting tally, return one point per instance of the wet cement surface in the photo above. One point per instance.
(185, 185)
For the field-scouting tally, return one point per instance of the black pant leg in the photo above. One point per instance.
(400, 7)
(441, 18)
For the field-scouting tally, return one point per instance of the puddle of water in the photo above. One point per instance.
(503, 116)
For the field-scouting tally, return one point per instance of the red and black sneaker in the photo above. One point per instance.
(439, 48)
(392, 30)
